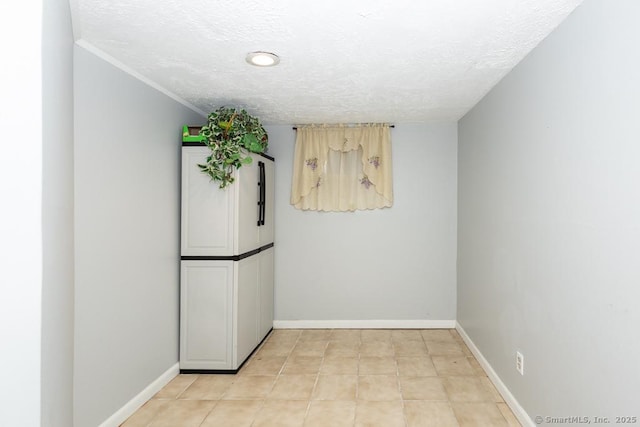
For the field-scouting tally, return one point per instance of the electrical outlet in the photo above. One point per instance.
(520, 362)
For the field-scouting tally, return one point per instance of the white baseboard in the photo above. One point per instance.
(134, 404)
(511, 401)
(364, 324)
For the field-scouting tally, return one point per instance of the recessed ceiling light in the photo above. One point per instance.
(263, 59)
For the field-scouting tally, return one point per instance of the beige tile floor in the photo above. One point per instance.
(334, 378)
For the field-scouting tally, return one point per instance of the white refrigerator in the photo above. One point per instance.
(226, 265)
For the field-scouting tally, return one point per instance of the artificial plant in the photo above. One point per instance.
(230, 134)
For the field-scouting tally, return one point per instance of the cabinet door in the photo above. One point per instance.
(265, 284)
(246, 336)
(267, 230)
(207, 211)
(248, 231)
(206, 303)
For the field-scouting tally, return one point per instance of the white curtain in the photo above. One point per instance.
(342, 168)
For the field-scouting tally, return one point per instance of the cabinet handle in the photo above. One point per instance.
(263, 187)
(262, 194)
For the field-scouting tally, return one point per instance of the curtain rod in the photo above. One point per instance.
(295, 128)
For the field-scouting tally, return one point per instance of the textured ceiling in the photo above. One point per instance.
(343, 61)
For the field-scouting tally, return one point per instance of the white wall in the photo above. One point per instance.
(127, 206)
(57, 220)
(549, 210)
(390, 264)
(21, 213)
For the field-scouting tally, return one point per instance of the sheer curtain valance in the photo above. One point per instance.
(342, 168)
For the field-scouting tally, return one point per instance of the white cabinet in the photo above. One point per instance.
(226, 275)
(208, 214)
(226, 310)
(265, 292)
(246, 319)
(267, 229)
(206, 339)
(217, 222)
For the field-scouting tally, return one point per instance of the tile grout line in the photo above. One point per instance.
(399, 350)
(264, 401)
(155, 415)
(359, 358)
(404, 412)
(315, 384)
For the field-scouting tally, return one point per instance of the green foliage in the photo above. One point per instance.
(231, 134)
